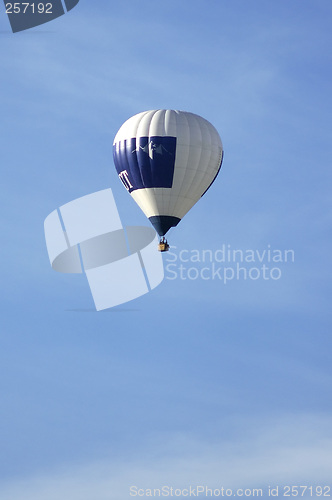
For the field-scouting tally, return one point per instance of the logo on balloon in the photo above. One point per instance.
(153, 148)
(145, 162)
(124, 178)
(26, 15)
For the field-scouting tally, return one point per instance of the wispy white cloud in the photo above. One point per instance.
(296, 449)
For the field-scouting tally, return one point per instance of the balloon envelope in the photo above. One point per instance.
(167, 160)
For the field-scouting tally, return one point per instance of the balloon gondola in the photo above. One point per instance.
(163, 245)
(167, 160)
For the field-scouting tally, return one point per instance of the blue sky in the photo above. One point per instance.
(196, 382)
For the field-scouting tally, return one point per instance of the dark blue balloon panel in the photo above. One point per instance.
(70, 4)
(145, 162)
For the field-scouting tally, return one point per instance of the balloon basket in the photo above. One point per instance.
(163, 246)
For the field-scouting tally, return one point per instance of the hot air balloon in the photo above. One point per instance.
(167, 160)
